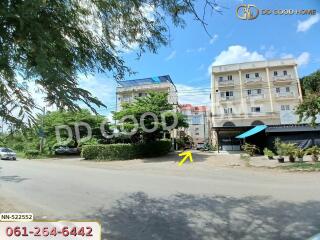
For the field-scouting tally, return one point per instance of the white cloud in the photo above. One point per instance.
(171, 55)
(304, 26)
(213, 39)
(193, 95)
(303, 58)
(195, 50)
(236, 54)
(102, 88)
(201, 49)
(286, 55)
(270, 52)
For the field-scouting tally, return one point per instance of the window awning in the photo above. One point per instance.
(252, 131)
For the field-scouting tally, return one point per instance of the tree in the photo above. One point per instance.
(309, 109)
(29, 139)
(156, 103)
(311, 83)
(58, 118)
(51, 42)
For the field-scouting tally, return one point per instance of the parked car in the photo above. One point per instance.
(200, 146)
(7, 154)
(65, 150)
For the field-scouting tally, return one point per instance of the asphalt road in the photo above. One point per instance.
(159, 200)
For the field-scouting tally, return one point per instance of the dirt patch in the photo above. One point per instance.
(6, 206)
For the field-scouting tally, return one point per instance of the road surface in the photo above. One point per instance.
(159, 200)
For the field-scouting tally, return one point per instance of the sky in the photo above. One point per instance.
(192, 51)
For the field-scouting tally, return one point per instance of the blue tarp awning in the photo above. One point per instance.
(252, 131)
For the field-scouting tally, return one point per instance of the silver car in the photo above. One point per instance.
(7, 153)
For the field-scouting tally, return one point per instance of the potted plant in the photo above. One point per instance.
(314, 151)
(289, 150)
(250, 149)
(279, 150)
(268, 153)
(299, 154)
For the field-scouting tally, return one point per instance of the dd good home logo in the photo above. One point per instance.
(247, 12)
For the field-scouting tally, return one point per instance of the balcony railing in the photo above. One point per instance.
(282, 78)
(285, 95)
(253, 80)
(255, 96)
(223, 99)
(226, 82)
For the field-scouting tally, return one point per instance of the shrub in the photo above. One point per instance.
(125, 151)
(250, 149)
(278, 147)
(92, 141)
(315, 152)
(268, 153)
(300, 152)
(288, 149)
(153, 149)
(18, 147)
(32, 154)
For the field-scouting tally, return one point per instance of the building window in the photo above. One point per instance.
(285, 107)
(249, 91)
(140, 94)
(277, 90)
(259, 91)
(226, 95)
(285, 73)
(247, 75)
(255, 109)
(287, 89)
(197, 134)
(275, 73)
(256, 75)
(196, 129)
(228, 110)
(196, 119)
(220, 79)
(229, 94)
(229, 77)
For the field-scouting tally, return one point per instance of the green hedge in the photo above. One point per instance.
(31, 154)
(125, 151)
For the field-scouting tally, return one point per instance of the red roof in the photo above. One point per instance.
(193, 108)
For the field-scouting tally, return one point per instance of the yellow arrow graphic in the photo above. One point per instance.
(186, 155)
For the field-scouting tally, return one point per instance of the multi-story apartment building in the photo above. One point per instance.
(252, 93)
(198, 120)
(128, 90)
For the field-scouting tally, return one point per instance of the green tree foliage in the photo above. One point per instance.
(155, 102)
(58, 118)
(28, 138)
(311, 83)
(310, 107)
(51, 42)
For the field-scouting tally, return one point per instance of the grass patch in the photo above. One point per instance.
(303, 166)
(22, 155)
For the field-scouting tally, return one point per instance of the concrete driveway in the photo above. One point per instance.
(156, 199)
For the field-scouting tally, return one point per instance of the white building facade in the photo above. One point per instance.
(128, 90)
(198, 120)
(254, 93)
